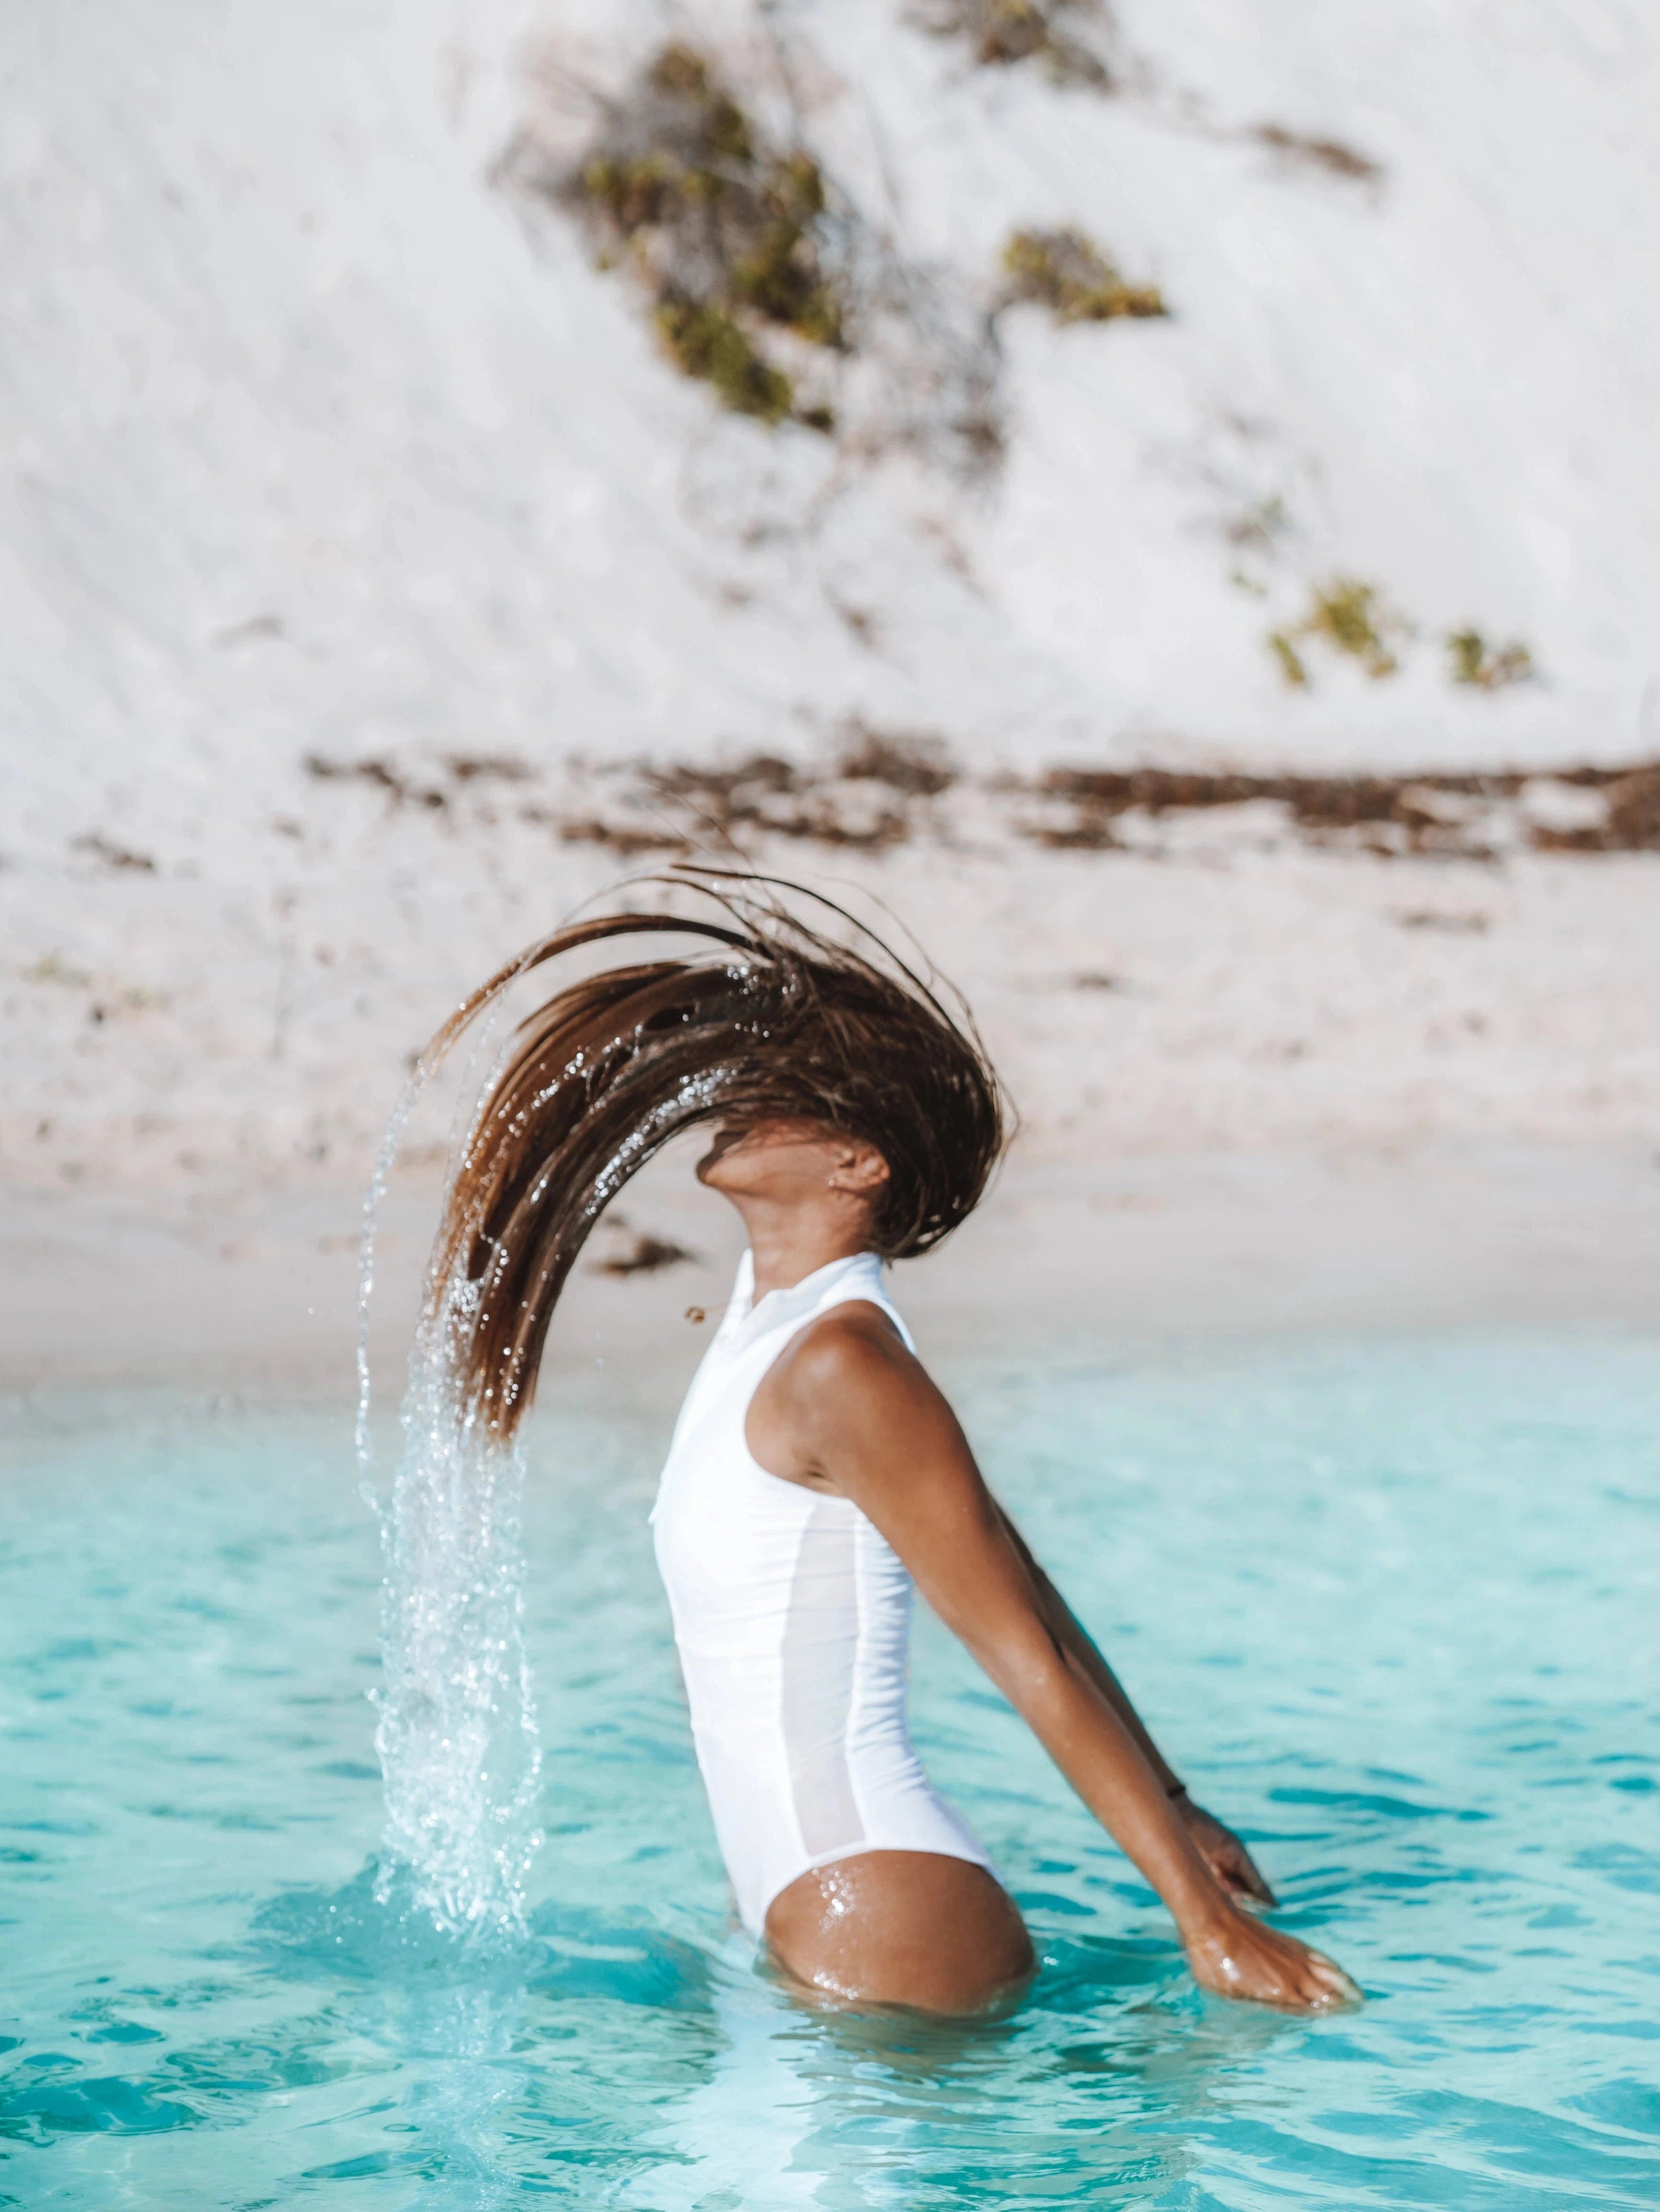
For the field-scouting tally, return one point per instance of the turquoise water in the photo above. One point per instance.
(1392, 1607)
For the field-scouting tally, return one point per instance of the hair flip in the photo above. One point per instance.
(768, 1020)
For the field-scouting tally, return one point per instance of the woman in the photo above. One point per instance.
(816, 1472)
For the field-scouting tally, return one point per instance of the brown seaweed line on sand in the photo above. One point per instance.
(880, 787)
(1321, 805)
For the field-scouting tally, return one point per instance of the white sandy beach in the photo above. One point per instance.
(374, 593)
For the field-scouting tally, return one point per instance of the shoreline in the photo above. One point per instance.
(253, 1289)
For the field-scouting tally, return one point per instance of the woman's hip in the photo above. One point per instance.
(927, 1929)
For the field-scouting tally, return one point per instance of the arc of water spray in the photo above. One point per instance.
(457, 1734)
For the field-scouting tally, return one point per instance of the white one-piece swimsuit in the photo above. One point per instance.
(791, 1614)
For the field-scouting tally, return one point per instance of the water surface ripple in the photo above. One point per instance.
(1391, 1605)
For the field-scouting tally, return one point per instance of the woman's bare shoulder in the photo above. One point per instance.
(842, 1373)
(850, 1404)
(850, 1376)
(854, 1342)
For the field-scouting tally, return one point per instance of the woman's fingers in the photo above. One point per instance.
(1345, 1988)
(1320, 1982)
(1240, 1958)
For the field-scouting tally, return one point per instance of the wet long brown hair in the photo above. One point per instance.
(770, 1020)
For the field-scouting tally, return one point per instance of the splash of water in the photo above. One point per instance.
(457, 1736)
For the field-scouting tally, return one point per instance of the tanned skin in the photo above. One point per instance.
(846, 1410)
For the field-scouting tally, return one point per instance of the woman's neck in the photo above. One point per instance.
(792, 1243)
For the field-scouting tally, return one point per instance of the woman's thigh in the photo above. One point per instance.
(907, 1927)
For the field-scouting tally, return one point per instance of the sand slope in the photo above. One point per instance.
(323, 445)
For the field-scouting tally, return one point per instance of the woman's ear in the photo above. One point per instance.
(860, 1169)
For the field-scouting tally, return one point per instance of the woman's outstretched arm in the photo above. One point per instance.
(848, 1410)
(1221, 1849)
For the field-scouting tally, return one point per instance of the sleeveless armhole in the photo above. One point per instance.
(860, 1298)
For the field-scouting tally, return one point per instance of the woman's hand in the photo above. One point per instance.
(1236, 1956)
(1224, 1854)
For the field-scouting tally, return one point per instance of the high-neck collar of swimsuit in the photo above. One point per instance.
(757, 1317)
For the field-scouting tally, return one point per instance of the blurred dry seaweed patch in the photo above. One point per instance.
(1301, 149)
(436, 789)
(1351, 618)
(1629, 821)
(1491, 668)
(1432, 815)
(624, 1250)
(1067, 272)
(874, 792)
(1068, 39)
(722, 227)
(110, 854)
(1079, 43)
(767, 282)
